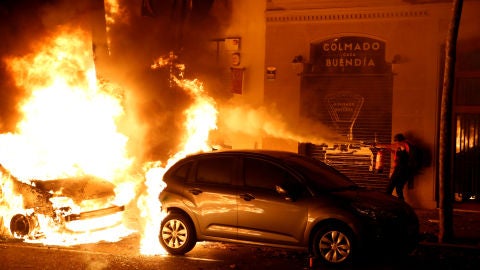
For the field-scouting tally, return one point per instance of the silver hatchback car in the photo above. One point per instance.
(280, 199)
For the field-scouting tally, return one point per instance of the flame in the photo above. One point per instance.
(69, 124)
(113, 14)
(68, 128)
(10, 202)
(200, 119)
(151, 214)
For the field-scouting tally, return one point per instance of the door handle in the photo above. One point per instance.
(247, 197)
(195, 191)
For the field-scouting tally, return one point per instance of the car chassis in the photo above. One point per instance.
(56, 200)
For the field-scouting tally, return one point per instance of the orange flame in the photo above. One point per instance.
(68, 127)
(200, 119)
(113, 14)
(69, 123)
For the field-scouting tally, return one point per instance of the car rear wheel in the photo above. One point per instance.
(21, 225)
(333, 244)
(177, 234)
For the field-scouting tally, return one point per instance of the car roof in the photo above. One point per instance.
(248, 152)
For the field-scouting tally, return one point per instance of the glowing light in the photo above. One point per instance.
(200, 119)
(151, 213)
(68, 129)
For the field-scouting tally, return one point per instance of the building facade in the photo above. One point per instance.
(366, 70)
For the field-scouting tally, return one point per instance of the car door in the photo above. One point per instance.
(211, 196)
(263, 213)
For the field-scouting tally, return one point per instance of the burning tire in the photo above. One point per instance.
(177, 234)
(21, 225)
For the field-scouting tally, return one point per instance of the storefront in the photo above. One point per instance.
(369, 72)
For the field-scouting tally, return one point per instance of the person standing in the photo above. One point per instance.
(401, 169)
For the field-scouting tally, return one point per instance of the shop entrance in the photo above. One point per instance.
(466, 161)
(348, 87)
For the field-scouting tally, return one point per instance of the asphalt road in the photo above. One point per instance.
(15, 254)
(207, 255)
(125, 255)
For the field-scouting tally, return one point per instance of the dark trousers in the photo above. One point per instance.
(398, 180)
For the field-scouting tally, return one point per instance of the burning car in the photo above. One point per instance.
(71, 205)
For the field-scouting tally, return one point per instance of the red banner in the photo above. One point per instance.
(237, 80)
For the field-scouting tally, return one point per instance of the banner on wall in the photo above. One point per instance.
(237, 80)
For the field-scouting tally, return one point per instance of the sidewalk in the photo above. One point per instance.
(466, 227)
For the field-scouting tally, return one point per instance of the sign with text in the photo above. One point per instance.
(348, 54)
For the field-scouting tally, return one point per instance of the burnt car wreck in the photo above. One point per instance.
(58, 203)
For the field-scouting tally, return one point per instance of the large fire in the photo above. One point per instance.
(200, 119)
(69, 129)
(69, 132)
(69, 118)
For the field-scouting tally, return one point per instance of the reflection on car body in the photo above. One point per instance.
(279, 199)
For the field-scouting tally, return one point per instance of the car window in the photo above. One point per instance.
(216, 170)
(263, 174)
(322, 176)
(181, 173)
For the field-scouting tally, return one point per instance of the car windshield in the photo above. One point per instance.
(320, 175)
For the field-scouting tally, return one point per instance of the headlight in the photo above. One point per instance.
(377, 212)
(365, 210)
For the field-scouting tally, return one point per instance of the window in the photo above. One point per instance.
(262, 174)
(266, 175)
(181, 173)
(215, 170)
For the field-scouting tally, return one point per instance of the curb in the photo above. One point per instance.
(450, 245)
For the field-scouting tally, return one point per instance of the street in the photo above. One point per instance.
(125, 255)
(208, 255)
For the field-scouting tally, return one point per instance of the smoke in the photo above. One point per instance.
(22, 24)
(19, 24)
(263, 121)
(156, 108)
(123, 55)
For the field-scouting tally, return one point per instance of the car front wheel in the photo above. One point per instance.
(177, 234)
(333, 245)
